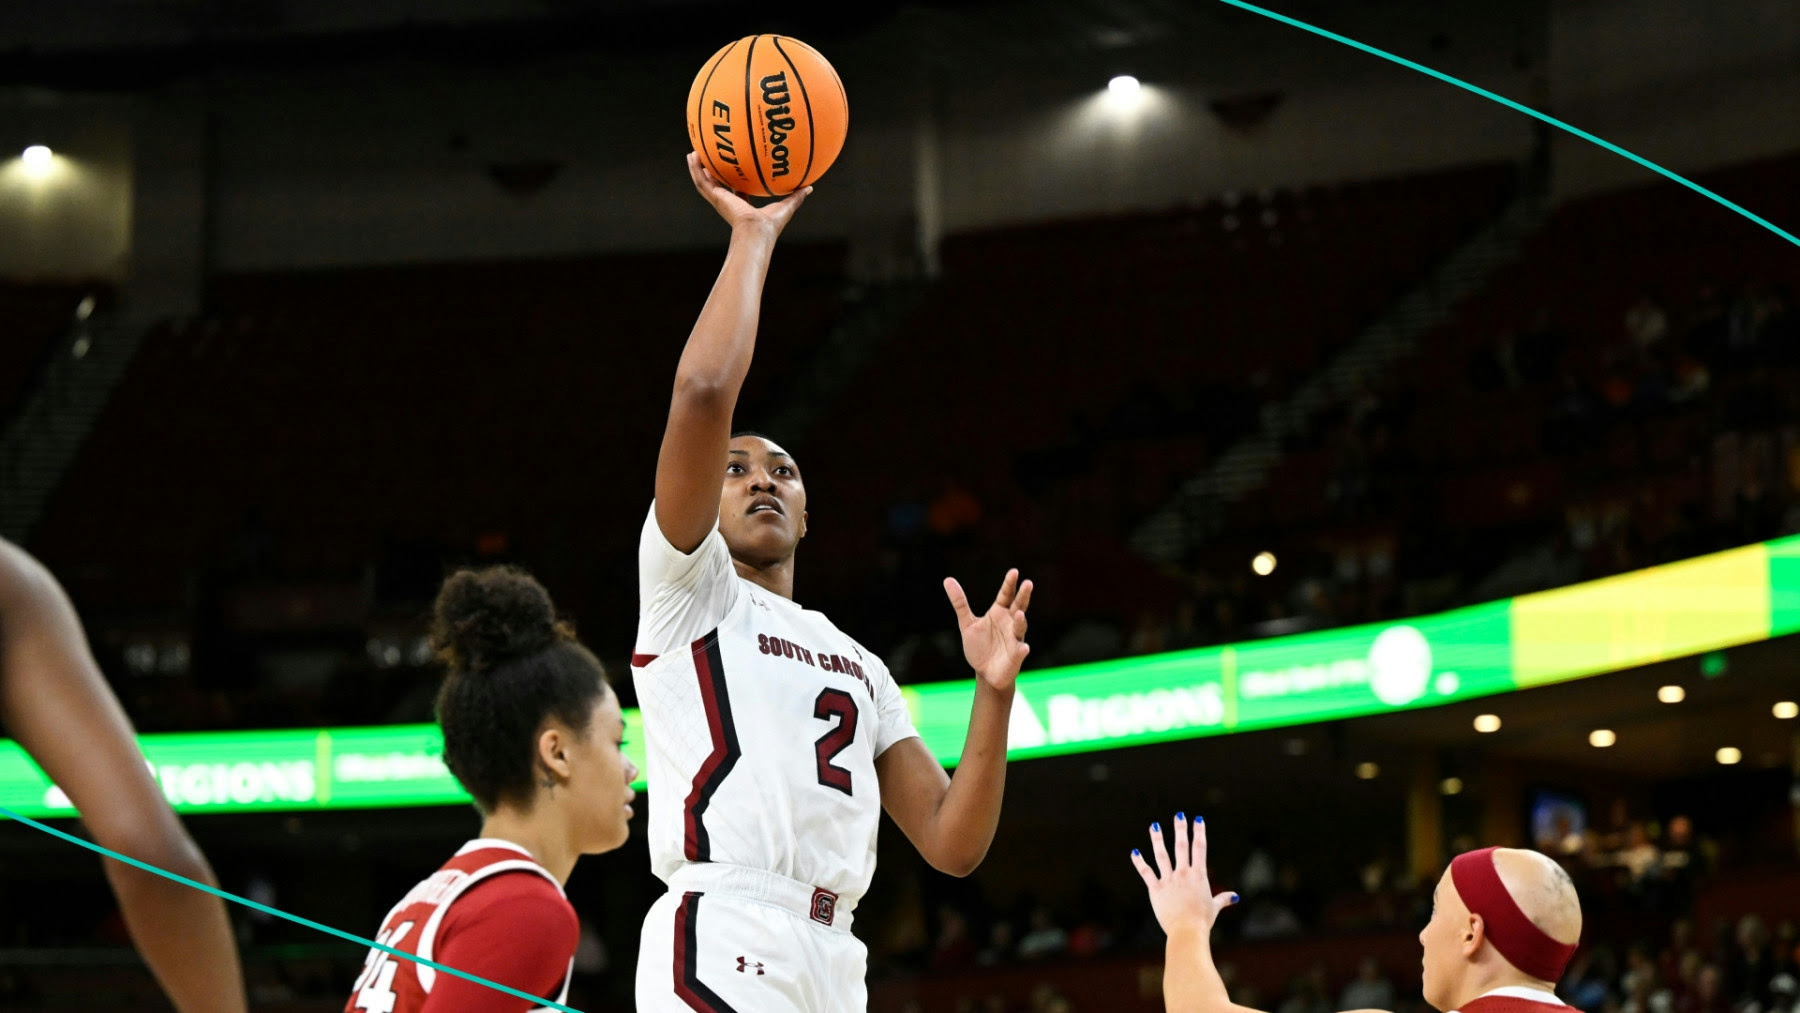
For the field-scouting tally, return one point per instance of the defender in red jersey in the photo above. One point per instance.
(1504, 923)
(534, 733)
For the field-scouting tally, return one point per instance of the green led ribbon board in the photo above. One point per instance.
(1729, 598)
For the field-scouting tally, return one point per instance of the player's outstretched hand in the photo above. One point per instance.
(1181, 896)
(732, 207)
(994, 642)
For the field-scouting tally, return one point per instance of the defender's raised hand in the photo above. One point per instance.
(732, 207)
(1181, 895)
(994, 642)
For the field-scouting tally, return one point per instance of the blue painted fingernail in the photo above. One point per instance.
(1234, 898)
(1156, 828)
(1199, 819)
(1135, 854)
(1180, 817)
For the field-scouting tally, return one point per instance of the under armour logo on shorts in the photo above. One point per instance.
(744, 964)
(824, 906)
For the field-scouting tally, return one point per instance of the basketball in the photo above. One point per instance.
(768, 115)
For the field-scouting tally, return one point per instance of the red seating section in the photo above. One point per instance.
(1066, 375)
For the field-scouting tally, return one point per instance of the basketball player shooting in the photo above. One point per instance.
(1504, 923)
(773, 739)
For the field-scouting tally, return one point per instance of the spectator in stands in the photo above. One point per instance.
(1752, 964)
(1269, 918)
(1046, 999)
(1186, 631)
(1641, 984)
(1639, 857)
(1588, 984)
(953, 512)
(1787, 947)
(1370, 989)
(1680, 945)
(1307, 993)
(1784, 990)
(1046, 938)
(1708, 995)
(1259, 872)
(1745, 321)
(1000, 948)
(1706, 324)
(1148, 636)
(1647, 323)
(955, 946)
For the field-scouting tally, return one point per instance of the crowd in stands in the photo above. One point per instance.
(1616, 400)
(315, 450)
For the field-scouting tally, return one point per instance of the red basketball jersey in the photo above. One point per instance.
(1516, 1000)
(517, 929)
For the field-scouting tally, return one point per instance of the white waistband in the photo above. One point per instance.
(763, 887)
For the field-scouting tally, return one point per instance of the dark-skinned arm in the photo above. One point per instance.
(951, 820)
(54, 701)
(690, 468)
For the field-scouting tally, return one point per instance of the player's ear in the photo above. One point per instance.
(553, 751)
(802, 524)
(1473, 933)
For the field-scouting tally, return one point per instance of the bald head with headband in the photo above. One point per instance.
(1501, 917)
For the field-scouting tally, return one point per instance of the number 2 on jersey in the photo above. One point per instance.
(841, 705)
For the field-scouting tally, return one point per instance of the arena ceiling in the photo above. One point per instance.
(135, 44)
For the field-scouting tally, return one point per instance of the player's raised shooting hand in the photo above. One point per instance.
(1181, 896)
(740, 213)
(994, 642)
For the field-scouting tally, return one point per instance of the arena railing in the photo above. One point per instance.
(1725, 599)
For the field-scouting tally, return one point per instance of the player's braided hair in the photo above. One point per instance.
(513, 664)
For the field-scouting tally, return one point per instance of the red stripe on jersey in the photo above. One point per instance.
(1512, 1004)
(709, 669)
(688, 985)
(642, 660)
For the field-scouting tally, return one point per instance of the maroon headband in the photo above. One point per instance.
(1524, 945)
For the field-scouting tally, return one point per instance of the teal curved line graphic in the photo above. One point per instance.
(1787, 608)
(1518, 107)
(278, 913)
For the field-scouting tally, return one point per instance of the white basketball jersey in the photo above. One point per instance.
(762, 722)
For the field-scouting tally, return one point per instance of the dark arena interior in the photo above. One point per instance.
(1248, 348)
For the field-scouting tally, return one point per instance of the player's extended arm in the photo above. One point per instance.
(54, 701)
(1186, 908)
(951, 820)
(690, 470)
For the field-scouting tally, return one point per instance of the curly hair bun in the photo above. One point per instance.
(484, 618)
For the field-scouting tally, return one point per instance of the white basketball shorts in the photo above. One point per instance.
(727, 939)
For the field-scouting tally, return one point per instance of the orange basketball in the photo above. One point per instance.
(767, 115)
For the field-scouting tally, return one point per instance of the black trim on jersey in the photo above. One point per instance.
(688, 985)
(715, 696)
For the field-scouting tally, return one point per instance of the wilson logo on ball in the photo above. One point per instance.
(775, 96)
(767, 115)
